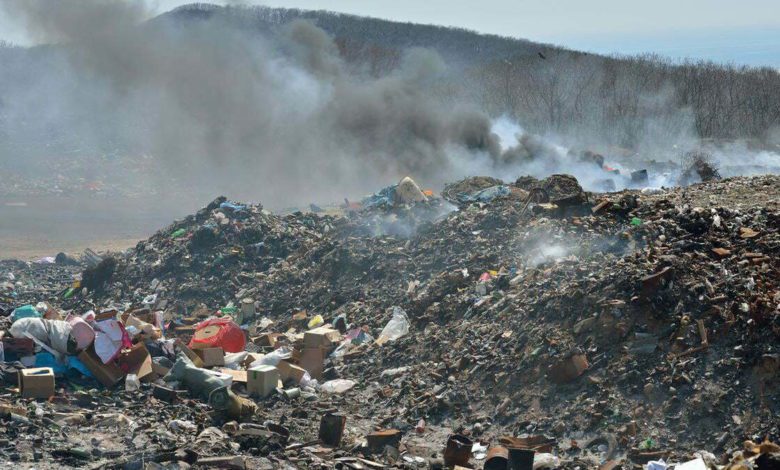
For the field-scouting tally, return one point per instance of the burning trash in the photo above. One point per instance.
(236, 335)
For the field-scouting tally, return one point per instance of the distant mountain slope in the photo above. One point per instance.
(457, 46)
(649, 104)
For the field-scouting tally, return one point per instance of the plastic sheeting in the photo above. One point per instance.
(486, 195)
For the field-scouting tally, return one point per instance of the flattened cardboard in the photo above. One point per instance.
(37, 382)
(107, 315)
(196, 360)
(184, 331)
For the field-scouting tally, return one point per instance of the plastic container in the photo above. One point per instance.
(132, 383)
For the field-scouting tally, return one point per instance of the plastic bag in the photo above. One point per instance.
(342, 349)
(273, 359)
(656, 465)
(396, 327)
(234, 360)
(218, 333)
(25, 311)
(337, 386)
(232, 206)
(546, 461)
(485, 195)
(316, 321)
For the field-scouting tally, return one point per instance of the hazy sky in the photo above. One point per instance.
(747, 31)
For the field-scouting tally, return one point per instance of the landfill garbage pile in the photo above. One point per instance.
(536, 326)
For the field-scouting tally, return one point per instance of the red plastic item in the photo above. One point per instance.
(218, 333)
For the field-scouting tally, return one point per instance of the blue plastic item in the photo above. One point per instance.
(25, 311)
(486, 195)
(46, 359)
(382, 198)
(232, 206)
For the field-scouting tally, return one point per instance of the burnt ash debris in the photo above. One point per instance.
(615, 330)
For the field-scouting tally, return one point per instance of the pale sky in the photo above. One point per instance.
(746, 31)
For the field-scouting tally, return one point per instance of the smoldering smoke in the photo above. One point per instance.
(279, 118)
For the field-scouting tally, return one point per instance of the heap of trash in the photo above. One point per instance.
(499, 325)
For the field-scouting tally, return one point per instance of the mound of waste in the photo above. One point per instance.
(524, 324)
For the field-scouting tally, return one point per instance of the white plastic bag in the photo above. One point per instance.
(656, 465)
(546, 461)
(234, 360)
(396, 327)
(273, 359)
(336, 386)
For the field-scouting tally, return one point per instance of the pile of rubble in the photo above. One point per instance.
(523, 324)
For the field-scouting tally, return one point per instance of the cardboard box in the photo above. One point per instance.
(36, 383)
(250, 358)
(239, 376)
(137, 361)
(211, 356)
(290, 372)
(377, 440)
(262, 381)
(568, 368)
(267, 340)
(107, 315)
(184, 331)
(196, 360)
(313, 360)
(321, 337)
(143, 314)
(19, 346)
(107, 374)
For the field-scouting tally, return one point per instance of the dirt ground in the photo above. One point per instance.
(34, 227)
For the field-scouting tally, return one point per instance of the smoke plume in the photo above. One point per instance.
(278, 117)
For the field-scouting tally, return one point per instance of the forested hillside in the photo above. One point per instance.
(597, 101)
(622, 100)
